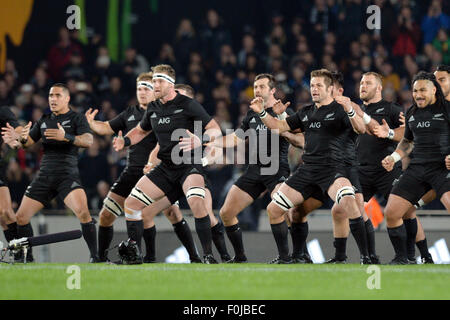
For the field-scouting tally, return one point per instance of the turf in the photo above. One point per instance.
(227, 282)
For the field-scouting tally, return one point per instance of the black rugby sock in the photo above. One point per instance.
(203, 228)
(280, 233)
(11, 232)
(299, 233)
(423, 248)
(90, 236)
(234, 233)
(340, 244)
(218, 237)
(370, 233)
(184, 233)
(150, 244)
(398, 239)
(135, 229)
(105, 236)
(25, 231)
(411, 233)
(359, 233)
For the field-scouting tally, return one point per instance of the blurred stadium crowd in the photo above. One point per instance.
(414, 36)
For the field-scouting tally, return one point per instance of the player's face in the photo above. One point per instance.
(368, 88)
(58, 99)
(443, 78)
(261, 89)
(319, 90)
(144, 95)
(161, 88)
(424, 93)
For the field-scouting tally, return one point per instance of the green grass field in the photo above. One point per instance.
(227, 282)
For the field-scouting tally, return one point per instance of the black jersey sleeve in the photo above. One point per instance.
(119, 122)
(245, 122)
(7, 116)
(395, 115)
(35, 132)
(196, 111)
(145, 122)
(82, 126)
(295, 121)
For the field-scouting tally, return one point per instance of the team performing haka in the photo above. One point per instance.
(139, 162)
(178, 170)
(63, 132)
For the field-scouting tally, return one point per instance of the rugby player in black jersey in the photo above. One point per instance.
(170, 116)
(254, 181)
(62, 131)
(173, 213)
(380, 141)
(7, 217)
(427, 140)
(324, 124)
(361, 227)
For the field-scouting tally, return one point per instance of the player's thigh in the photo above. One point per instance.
(445, 199)
(150, 212)
(235, 201)
(143, 194)
(28, 207)
(6, 211)
(396, 208)
(76, 201)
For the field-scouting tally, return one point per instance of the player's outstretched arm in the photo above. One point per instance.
(383, 131)
(99, 127)
(153, 160)
(296, 139)
(133, 137)
(84, 140)
(350, 107)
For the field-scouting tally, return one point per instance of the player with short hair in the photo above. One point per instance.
(325, 124)
(254, 181)
(170, 114)
(426, 138)
(63, 132)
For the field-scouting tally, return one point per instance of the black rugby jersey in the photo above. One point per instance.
(164, 119)
(429, 129)
(371, 149)
(253, 121)
(60, 157)
(325, 133)
(137, 155)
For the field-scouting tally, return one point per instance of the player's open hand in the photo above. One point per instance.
(118, 142)
(381, 131)
(9, 135)
(388, 163)
(257, 104)
(280, 107)
(90, 115)
(55, 134)
(190, 142)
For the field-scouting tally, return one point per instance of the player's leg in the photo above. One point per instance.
(7, 216)
(341, 230)
(217, 229)
(445, 200)
(27, 209)
(76, 201)
(411, 225)
(284, 199)
(343, 193)
(236, 201)
(183, 231)
(300, 228)
(112, 208)
(194, 189)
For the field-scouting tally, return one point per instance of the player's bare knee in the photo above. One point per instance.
(274, 211)
(22, 219)
(83, 215)
(106, 218)
(197, 205)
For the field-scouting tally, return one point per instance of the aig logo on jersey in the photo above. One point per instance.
(260, 127)
(164, 120)
(423, 124)
(315, 125)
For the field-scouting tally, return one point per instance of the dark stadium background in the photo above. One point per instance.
(220, 70)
